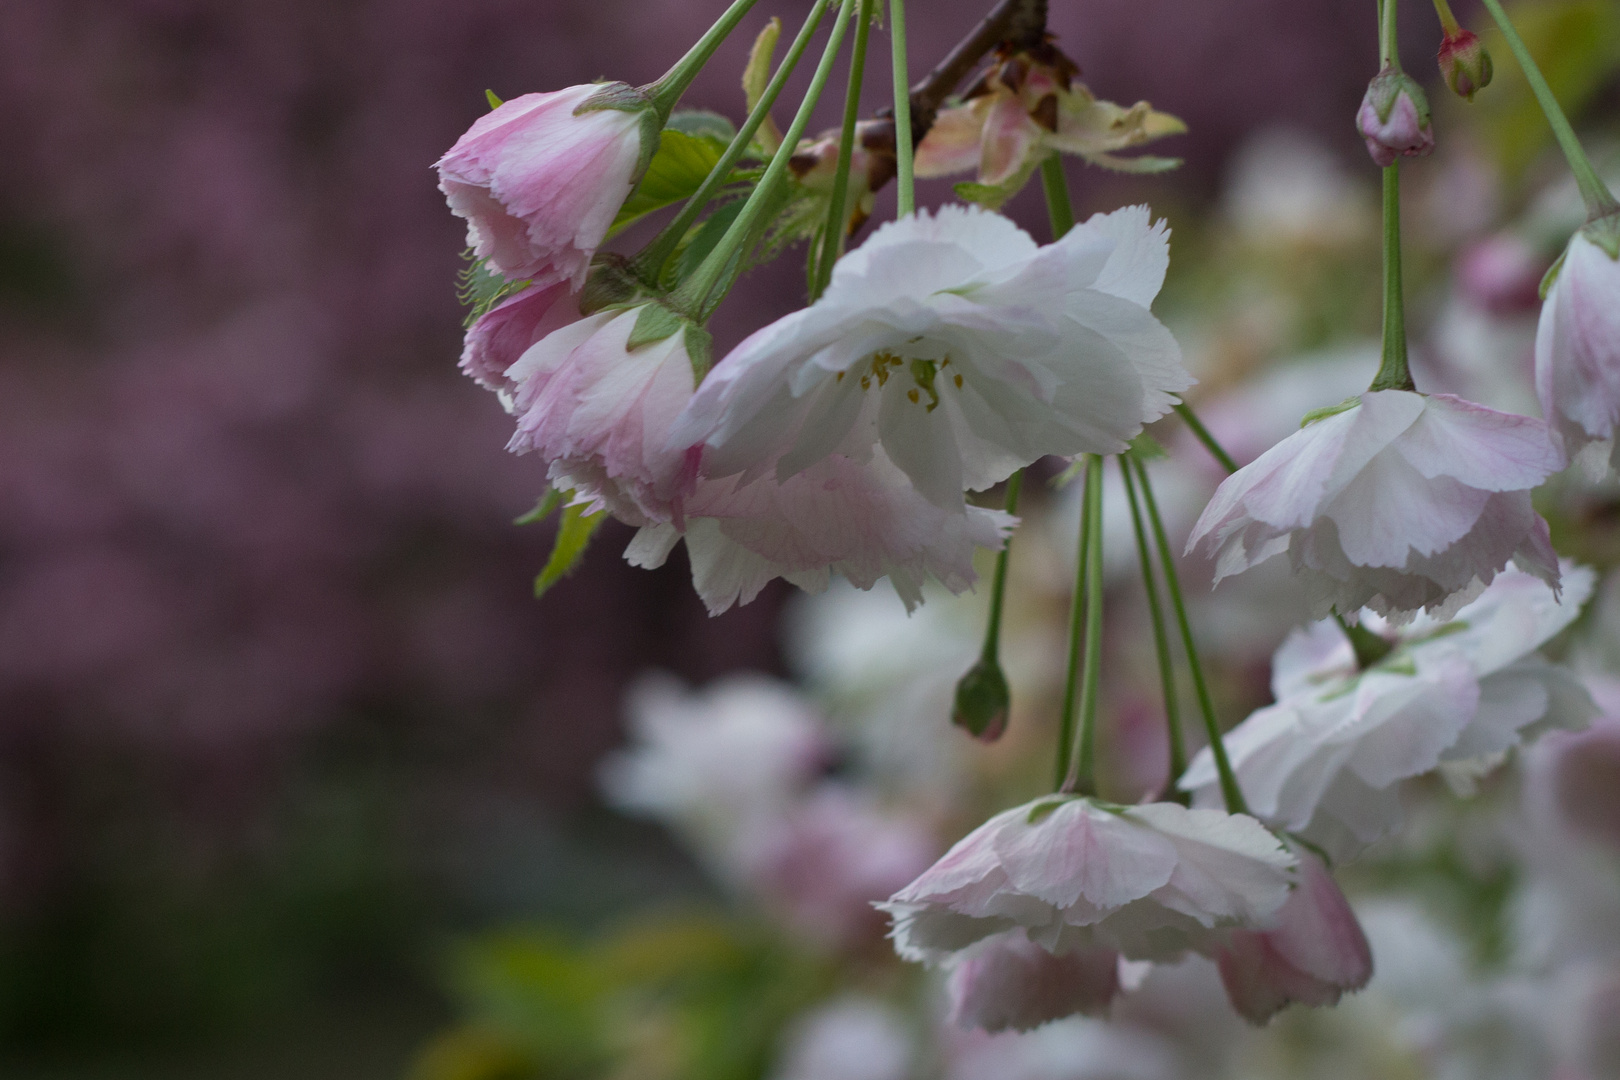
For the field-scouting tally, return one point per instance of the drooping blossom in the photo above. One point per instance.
(1578, 351)
(1397, 501)
(708, 762)
(1327, 759)
(1310, 952)
(822, 862)
(1027, 106)
(1394, 118)
(1150, 881)
(541, 177)
(599, 413)
(1008, 981)
(500, 336)
(961, 348)
(864, 521)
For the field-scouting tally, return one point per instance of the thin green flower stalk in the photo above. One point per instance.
(837, 222)
(1070, 709)
(983, 699)
(701, 293)
(904, 147)
(1600, 201)
(1231, 793)
(657, 253)
(668, 89)
(1078, 769)
(1161, 639)
(1055, 185)
(1198, 429)
(1393, 373)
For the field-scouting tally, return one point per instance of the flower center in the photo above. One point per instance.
(924, 375)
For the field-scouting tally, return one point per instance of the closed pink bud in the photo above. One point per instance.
(1464, 63)
(541, 178)
(1313, 954)
(1578, 340)
(1008, 981)
(1394, 118)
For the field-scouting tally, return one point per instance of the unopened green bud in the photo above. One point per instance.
(983, 701)
(1464, 63)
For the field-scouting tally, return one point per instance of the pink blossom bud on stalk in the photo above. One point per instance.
(1394, 118)
(1578, 342)
(1464, 63)
(1312, 954)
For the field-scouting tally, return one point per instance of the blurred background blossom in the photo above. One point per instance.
(296, 779)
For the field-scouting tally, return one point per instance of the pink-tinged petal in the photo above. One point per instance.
(952, 143)
(1229, 867)
(1314, 951)
(505, 332)
(1309, 657)
(1078, 850)
(1405, 722)
(1009, 138)
(1480, 447)
(1009, 981)
(1578, 347)
(1389, 510)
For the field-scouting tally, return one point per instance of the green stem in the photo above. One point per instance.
(1071, 700)
(904, 140)
(652, 258)
(697, 294)
(668, 90)
(1448, 21)
(1231, 793)
(998, 583)
(1055, 183)
(837, 221)
(1091, 677)
(1389, 53)
(1184, 411)
(1392, 371)
(1161, 639)
(1600, 201)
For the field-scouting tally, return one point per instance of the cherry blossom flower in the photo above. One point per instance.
(1024, 109)
(1394, 118)
(1150, 881)
(960, 347)
(1312, 951)
(500, 336)
(1396, 501)
(1008, 981)
(1327, 759)
(863, 521)
(1578, 351)
(541, 177)
(599, 412)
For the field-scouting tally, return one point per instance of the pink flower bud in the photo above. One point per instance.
(1578, 340)
(1011, 982)
(1313, 954)
(541, 178)
(1394, 118)
(1583, 774)
(504, 333)
(1464, 63)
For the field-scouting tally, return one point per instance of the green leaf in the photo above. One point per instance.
(494, 102)
(756, 76)
(542, 509)
(1142, 165)
(676, 171)
(573, 537)
(480, 288)
(702, 124)
(655, 322)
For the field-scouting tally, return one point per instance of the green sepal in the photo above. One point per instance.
(612, 283)
(542, 509)
(573, 537)
(480, 288)
(494, 102)
(1044, 808)
(989, 196)
(1331, 410)
(655, 323)
(700, 350)
(631, 99)
(1551, 275)
(1388, 85)
(1604, 232)
(983, 701)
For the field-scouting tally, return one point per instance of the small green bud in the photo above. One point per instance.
(1464, 63)
(983, 701)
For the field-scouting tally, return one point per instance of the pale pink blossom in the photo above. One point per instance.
(1328, 759)
(1150, 881)
(849, 1038)
(961, 348)
(1397, 501)
(1579, 778)
(1008, 981)
(541, 178)
(1310, 952)
(599, 413)
(500, 336)
(864, 521)
(1578, 350)
(822, 863)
